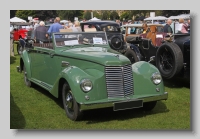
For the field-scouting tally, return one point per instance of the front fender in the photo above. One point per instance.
(25, 61)
(142, 72)
(73, 75)
(136, 50)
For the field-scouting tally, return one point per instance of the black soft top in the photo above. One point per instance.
(21, 24)
(101, 23)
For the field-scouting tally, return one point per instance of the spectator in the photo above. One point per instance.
(11, 41)
(55, 27)
(41, 32)
(183, 28)
(145, 28)
(77, 27)
(188, 23)
(167, 27)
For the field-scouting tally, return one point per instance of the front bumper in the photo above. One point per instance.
(126, 103)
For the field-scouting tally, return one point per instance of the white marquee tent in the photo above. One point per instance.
(94, 19)
(152, 19)
(184, 16)
(16, 19)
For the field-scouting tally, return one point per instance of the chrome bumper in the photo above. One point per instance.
(111, 104)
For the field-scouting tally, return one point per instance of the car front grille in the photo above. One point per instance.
(119, 81)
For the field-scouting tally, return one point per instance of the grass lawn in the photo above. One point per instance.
(35, 108)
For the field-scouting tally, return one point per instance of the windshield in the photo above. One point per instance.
(80, 38)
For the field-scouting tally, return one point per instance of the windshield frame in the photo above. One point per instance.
(78, 33)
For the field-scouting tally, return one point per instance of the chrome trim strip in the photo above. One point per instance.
(110, 104)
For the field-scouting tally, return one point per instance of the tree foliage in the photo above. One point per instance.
(97, 15)
(70, 14)
(125, 15)
(114, 15)
(12, 13)
(168, 13)
(105, 15)
(87, 15)
(23, 14)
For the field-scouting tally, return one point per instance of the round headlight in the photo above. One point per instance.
(156, 78)
(86, 85)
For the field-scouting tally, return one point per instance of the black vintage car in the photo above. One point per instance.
(113, 31)
(169, 53)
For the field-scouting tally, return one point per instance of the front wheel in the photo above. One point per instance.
(131, 55)
(70, 105)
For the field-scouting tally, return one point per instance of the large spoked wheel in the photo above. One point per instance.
(116, 43)
(131, 55)
(27, 82)
(70, 105)
(148, 106)
(169, 60)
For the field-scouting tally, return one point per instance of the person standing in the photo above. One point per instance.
(11, 42)
(167, 27)
(76, 27)
(55, 27)
(41, 32)
(183, 27)
(188, 23)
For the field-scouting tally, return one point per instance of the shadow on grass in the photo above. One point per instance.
(12, 59)
(177, 82)
(107, 114)
(17, 120)
(58, 101)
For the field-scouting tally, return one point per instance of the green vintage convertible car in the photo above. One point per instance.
(82, 69)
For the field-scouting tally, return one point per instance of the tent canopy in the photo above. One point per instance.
(156, 18)
(16, 19)
(94, 19)
(184, 16)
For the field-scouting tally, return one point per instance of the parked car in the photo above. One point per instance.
(82, 69)
(169, 53)
(114, 34)
(22, 31)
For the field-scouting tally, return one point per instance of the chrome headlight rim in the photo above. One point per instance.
(86, 85)
(156, 78)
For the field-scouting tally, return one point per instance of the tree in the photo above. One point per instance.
(70, 14)
(97, 15)
(105, 15)
(114, 15)
(23, 14)
(87, 15)
(45, 14)
(12, 13)
(41, 14)
(125, 15)
(169, 13)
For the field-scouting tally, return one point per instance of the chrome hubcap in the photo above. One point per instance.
(69, 100)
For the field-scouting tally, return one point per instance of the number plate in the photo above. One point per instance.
(127, 105)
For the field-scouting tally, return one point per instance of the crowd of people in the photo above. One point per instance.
(41, 33)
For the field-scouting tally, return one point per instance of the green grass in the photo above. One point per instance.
(35, 108)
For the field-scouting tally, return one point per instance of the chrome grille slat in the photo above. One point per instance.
(119, 81)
